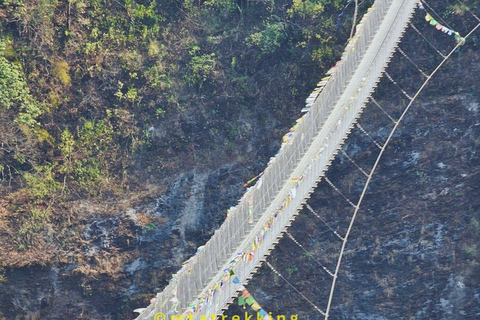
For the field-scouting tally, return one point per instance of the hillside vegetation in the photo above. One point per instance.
(102, 100)
(104, 103)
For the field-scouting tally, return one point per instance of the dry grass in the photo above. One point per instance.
(104, 264)
(27, 239)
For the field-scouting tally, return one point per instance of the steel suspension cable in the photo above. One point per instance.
(352, 161)
(439, 16)
(398, 86)
(352, 30)
(381, 108)
(324, 222)
(408, 58)
(309, 254)
(294, 288)
(470, 11)
(369, 136)
(424, 38)
(352, 221)
(330, 183)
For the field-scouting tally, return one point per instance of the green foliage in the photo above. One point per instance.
(35, 18)
(8, 50)
(291, 270)
(13, 3)
(95, 137)
(270, 39)
(307, 8)
(202, 68)
(308, 255)
(158, 77)
(132, 60)
(160, 113)
(43, 135)
(14, 91)
(140, 11)
(67, 147)
(461, 8)
(154, 48)
(471, 250)
(67, 144)
(87, 173)
(36, 221)
(42, 182)
(131, 94)
(151, 226)
(94, 149)
(224, 6)
(322, 53)
(88, 157)
(146, 53)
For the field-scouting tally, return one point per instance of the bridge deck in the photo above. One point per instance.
(204, 286)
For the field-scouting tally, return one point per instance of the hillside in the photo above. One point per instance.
(129, 127)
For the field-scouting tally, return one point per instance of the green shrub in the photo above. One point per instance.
(14, 91)
(202, 68)
(41, 183)
(270, 39)
(306, 8)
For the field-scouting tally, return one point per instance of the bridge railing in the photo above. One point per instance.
(201, 286)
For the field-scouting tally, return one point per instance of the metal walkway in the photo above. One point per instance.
(208, 282)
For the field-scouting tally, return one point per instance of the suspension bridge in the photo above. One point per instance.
(209, 281)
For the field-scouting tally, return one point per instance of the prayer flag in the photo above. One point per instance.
(241, 301)
(250, 300)
(256, 306)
